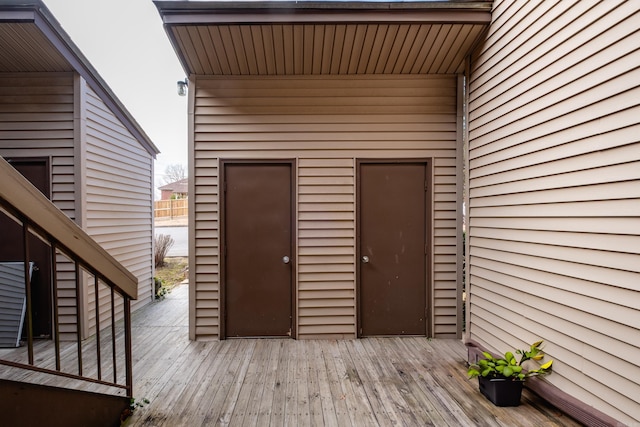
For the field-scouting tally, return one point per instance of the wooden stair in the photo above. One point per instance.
(25, 404)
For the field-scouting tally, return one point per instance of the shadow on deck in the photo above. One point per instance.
(259, 382)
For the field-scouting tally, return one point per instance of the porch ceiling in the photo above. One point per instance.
(316, 38)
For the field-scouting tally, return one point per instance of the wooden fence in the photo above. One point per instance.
(170, 208)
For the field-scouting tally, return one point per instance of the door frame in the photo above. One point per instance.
(44, 159)
(49, 298)
(428, 165)
(222, 243)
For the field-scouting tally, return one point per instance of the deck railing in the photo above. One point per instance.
(90, 293)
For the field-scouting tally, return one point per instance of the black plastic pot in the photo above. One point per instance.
(501, 392)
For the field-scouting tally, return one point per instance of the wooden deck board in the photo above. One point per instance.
(291, 389)
(246, 411)
(237, 384)
(335, 385)
(377, 391)
(277, 382)
(404, 364)
(359, 408)
(279, 388)
(268, 386)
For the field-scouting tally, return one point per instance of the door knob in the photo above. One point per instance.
(365, 259)
(286, 259)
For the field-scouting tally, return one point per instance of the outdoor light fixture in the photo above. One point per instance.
(182, 87)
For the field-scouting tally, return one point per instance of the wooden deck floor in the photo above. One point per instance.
(367, 382)
(278, 382)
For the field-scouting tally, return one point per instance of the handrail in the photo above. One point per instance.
(37, 216)
(28, 200)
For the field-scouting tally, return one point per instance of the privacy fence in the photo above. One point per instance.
(170, 208)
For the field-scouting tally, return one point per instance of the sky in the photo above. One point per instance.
(125, 41)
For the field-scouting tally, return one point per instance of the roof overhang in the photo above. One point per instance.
(323, 37)
(32, 40)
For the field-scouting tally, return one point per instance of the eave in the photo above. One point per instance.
(328, 37)
(32, 40)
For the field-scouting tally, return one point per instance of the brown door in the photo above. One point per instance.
(257, 251)
(392, 255)
(12, 248)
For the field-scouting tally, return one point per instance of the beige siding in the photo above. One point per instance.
(555, 193)
(326, 247)
(118, 182)
(36, 120)
(326, 124)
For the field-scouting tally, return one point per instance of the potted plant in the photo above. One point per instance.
(501, 379)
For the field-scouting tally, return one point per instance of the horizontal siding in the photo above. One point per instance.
(118, 185)
(36, 120)
(554, 193)
(326, 245)
(12, 303)
(67, 301)
(326, 124)
(204, 273)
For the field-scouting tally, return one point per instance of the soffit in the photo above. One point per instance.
(23, 48)
(314, 49)
(218, 38)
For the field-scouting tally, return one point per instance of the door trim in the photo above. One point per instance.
(428, 164)
(222, 242)
(49, 297)
(47, 162)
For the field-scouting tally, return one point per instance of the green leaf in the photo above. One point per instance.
(510, 358)
(507, 371)
(487, 355)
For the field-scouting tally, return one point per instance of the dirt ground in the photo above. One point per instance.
(174, 272)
